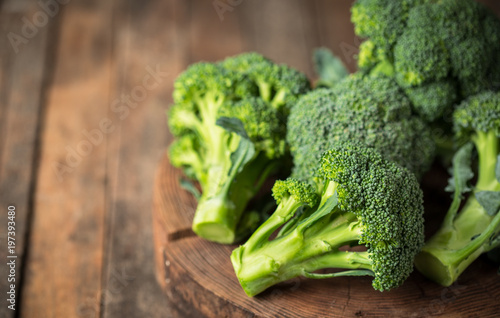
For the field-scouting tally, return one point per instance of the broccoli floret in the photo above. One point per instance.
(426, 44)
(184, 153)
(230, 135)
(371, 109)
(370, 56)
(474, 229)
(420, 56)
(433, 95)
(382, 21)
(359, 200)
(279, 85)
(262, 123)
(328, 67)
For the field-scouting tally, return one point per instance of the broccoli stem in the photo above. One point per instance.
(450, 251)
(276, 99)
(226, 194)
(488, 148)
(465, 236)
(283, 213)
(265, 90)
(217, 214)
(312, 245)
(279, 98)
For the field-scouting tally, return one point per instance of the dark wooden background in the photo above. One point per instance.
(83, 223)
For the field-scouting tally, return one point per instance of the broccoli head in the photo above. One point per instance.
(371, 109)
(230, 135)
(359, 199)
(472, 228)
(440, 52)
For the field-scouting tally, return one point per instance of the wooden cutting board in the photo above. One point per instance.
(198, 278)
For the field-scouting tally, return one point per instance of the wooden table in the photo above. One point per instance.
(84, 86)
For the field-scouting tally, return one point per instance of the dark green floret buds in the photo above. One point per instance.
(370, 109)
(440, 52)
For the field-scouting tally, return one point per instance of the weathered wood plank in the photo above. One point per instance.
(213, 34)
(146, 68)
(335, 30)
(22, 74)
(281, 30)
(64, 265)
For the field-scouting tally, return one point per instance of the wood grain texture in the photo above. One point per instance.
(199, 280)
(336, 31)
(22, 74)
(281, 30)
(63, 273)
(144, 67)
(210, 38)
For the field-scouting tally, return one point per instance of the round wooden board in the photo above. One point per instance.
(198, 278)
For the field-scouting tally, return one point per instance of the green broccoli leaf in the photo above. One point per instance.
(246, 149)
(189, 186)
(232, 124)
(323, 210)
(490, 201)
(497, 169)
(329, 68)
(461, 171)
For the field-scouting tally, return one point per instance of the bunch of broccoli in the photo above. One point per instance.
(228, 119)
(440, 52)
(357, 149)
(359, 145)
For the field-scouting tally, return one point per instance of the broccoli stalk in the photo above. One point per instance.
(230, 135)
(299, 256)
(359, 200)
(221, 207)
(475, 229)
(212, 166)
